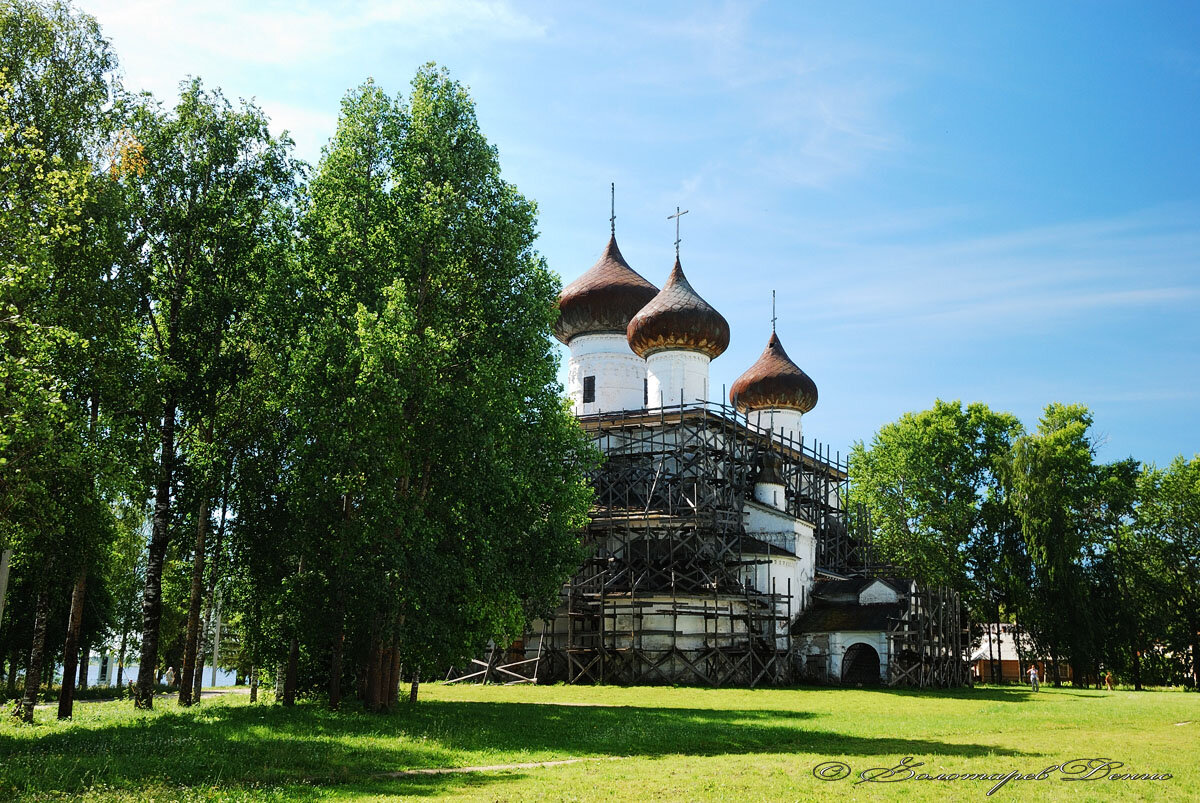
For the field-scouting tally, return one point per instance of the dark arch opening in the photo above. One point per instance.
(860, 666)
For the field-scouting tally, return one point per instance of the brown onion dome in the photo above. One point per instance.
(774, 381)
(603, 299)
(678, 318)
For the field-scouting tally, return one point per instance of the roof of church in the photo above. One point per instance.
(678, 319)
(827, 618)
(839, 588)
(604, 298)
(774, 381)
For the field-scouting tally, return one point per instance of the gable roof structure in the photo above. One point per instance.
(839, 617)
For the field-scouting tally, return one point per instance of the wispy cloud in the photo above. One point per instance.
(808, 111)
(973, 285)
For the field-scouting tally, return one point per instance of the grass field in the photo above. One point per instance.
(640, 743)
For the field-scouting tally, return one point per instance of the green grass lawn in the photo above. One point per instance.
(653, 743)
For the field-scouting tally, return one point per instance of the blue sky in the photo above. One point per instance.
(958, 200)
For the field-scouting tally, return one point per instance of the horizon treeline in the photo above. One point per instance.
(1099, 563)
(315, 407)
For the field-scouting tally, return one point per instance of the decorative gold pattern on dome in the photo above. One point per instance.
(678, 319)
(603, 299)
(774, 381)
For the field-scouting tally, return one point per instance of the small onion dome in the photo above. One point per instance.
(678, 318)
(603, 299)
(768, 470)
(774, 381)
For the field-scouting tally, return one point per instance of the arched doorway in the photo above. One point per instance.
(860, 666)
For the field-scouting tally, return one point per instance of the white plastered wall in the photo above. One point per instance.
(779, 529)
(786, 424)
(674, 374)
(620, 374)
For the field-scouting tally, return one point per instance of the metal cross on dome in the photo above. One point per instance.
(612, 220)
(773, 318)
(676, 217)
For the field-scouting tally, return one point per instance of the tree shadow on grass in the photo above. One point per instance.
(1004, 694)
(251, 747)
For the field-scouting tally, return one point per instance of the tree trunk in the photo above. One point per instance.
(373, 679)
(1137, 670)
(385, 677)
(289, 678)
(5, 558)
(121, 656)
(159, 538)
(1194, 628)
(85, 665)
(209, 593)
(412, 690)
(216, 645)
(362, 673)
(994, 647)
(66, 696)
(198, 675)
(33, 672)
(335, 663)
(14, 655)
(396, 677)
(254, 684)
(1017, 646)
(193, 618)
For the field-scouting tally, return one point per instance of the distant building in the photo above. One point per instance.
(1005, 653)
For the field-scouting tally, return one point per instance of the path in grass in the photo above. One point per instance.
(543, 742)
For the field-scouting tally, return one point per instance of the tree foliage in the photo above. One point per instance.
(931, 484)
(1096, 561)
(432, 476)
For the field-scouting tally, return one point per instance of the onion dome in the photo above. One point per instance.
(603, 299)
(678, 318)
(774, 381)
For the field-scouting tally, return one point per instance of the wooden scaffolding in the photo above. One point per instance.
(930, 640)
(664, 596)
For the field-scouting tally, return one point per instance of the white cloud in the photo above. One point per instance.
(290, 33)
(162, 41)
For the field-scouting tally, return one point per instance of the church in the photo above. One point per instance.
(718, 550)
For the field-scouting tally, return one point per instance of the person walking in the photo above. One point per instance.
(1033, 676)
(1108, 680)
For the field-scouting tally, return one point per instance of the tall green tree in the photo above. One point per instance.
(204, 225)
(1069, 508)
(1168, 527)
(66, 305)
(932, 484)
(429, 470)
